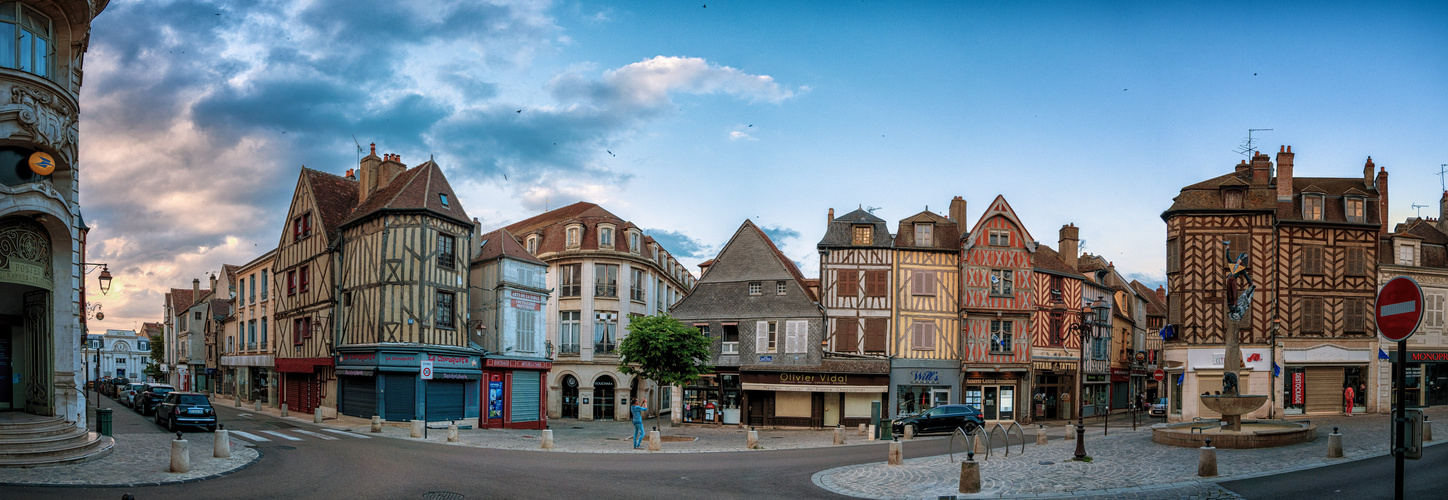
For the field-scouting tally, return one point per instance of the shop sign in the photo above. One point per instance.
(1120, 374)
(399, 359)
(980, 381)
(525, 296)
(517, 363)
(1299, 387)
(441, 361)
(526, 306)
(358, 359)
(355, 373)
(766, 359)
(925, 377)
(1422, 357)
(791, 378)
(455, 376)
(1096, 378)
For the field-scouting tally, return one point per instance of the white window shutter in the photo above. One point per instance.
(761, 337)
(799, 336)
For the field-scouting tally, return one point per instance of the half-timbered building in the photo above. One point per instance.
(925, 320)
(996, 308)
(856, 263)
(1055, 349)
(1312, 245)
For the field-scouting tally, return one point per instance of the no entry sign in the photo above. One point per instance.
(1399, 308)
(1159, 374)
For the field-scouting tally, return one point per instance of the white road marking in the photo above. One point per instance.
(283, 436)
(348, 434)
(249, 435)
(245, 415)
(1399, 308)
(314, 434)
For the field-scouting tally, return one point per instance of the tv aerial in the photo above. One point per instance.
(1419, 209)
(1249, 146)
(359, 148)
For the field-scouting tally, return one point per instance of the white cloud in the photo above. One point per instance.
(736, 135)
(649, 83)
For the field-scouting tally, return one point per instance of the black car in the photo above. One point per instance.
(943, 418)
(150, 395)
(185, 408)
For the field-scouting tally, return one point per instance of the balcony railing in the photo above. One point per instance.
(605, 290)
(604, 347)
(636, 294)
(568, 349)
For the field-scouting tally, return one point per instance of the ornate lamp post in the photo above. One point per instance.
(1086, 328)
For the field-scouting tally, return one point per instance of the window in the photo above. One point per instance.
(568, 332)
(605, 280)
(922, 336)
(847, 335)
(877, 283)
(922, 283)
(251, 334)
(570, 277)
(1000, 238)
(703, 329)
(1357, 261)
(1173, 256)
(1354, 210)
(573, 237)
(1057, 295)
(252, 291)
(1054, 329)
(924, 235)
(196, 315)
(302, 278)
(1000, 337)
(779, 288)
(1001, 282)
(143, 346)
(1311, 259)
(637, 280)
(1312, 314)
(261, 339)
(633, 242)
(864, 235)
(29, 46)
(876, 332)
(446, 251)
(796, 336)
(1233, 199)
(605, 237)
(1432, 311)
(445, 316)
(1405, 255)
(1312, 207)
(847, 283)
(604, 326)
(527, 330)
(768, 336)
(301, 329)
(263, 285)
(1238, 244)
(301, 227)
(755, 288)
(533, 244)
(442, 197)
(1356, 315)
(730, 344)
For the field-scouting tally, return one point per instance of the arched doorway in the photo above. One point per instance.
(603, 398)
(570, 397)
(26, 282)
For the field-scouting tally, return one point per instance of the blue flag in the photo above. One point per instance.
(1180, 378)
(1276, 370)
(1168, 331)
(1381, 354)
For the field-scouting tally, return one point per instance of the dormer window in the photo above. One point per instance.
(605, 236)
(633, 241)
(1312, 207)
(1353, 208)
(864, 235)
(1406, 255)
(30, 48)
(573, 234)
(533, 244)
(924, 235)
(1232, 198)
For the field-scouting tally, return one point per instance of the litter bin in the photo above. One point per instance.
(103, 420)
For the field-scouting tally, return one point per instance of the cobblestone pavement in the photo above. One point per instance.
(1125, 464)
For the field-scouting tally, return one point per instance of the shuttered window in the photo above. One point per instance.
(1237, 245)
(1356, 313)
(1173, 255)
(765, 336)
(523, 400)
(922, 336)
(1356, 261)
(847, 283)
(922, 282)
(847, 335)
(876, 330)
(1312, 259)
(1312, 314)
(877, 283)
(796, 340)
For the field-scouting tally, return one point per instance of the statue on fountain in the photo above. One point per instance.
(1231, 404)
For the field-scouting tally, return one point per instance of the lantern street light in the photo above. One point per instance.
(105, 277)
(1086, 328)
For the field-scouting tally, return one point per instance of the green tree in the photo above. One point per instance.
(661, 349)
(158, 356)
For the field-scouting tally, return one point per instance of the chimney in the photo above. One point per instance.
(367, 174)
(1284, 175)
(1262, 169)
(831, 217)
(1368, 172)
(213, 283)
(1161, 293)
(1242, 166)
(195, 290)
(351, 174)
(391, 166)
(1443, 213)
(1382, 185)
(957, 214)
(1070, 239)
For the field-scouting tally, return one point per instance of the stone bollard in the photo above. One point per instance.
(376, 424)
(870, 432)
(862, 429)
(317, 415)
(897, 455)
(284, 410)
(237, 403)
(970, 474)
(417, 428)
(1427, 429)
(752, 441)
(840, 435)
(1070, 432)
(452, 433)
(180, 455)
(223, 443)
(1040, 435)
(1334, 444)
(1207, 461)
(909, 432)
(547, 439)
(256, 405)
(655, 442)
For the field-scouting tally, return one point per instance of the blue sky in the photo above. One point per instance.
(688, 119)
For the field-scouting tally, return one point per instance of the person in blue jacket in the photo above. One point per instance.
(638, 419)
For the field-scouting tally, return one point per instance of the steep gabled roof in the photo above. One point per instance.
(839, 232)
(181, 300)
(418, 188)
(945, 235)
(1000, 207)
(334, 196)
(1154, 305)
(501, 243)
(1049, 261)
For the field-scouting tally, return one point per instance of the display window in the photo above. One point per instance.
(913, 399)
(996, 402)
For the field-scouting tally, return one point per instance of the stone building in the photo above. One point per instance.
(506, 302)
(1417, 249)
(247, 362)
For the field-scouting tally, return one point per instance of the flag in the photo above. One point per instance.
(1276, 370)
(1168, 331)
(1180, 378)
(1382, 354)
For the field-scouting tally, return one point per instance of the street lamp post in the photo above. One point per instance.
(1086, 328)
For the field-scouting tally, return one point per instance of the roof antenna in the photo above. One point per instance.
(1249, 147)
(1442, 169)
(1419, 209)
(359, 148)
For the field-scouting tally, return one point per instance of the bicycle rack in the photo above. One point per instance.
(1006, 436)
(970, 440)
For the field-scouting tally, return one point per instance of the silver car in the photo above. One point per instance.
(127, 395)
(1158, 408)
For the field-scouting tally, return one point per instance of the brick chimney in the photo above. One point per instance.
(1161, 293)
(831, 217)
(1068, 244)
(213, 282)
(351, 174)
(391, 166)
(1443, 213)
(1262, 169)
(195, 292)
(367, 174)
(1368, 172)
(957, 214)
(1242, 166)
(1382, 185)
(1284, 174)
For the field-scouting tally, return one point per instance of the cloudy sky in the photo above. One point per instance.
(687, 118)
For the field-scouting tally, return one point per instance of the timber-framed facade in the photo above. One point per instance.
(925, 315)
(996, 305)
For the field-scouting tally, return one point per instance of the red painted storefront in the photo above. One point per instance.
(514, 394)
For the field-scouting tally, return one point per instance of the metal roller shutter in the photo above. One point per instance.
(399, 392)
(359, 396)
(445, 399)
(524, 400)
(1324, 389)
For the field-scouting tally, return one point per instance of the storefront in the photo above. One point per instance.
(1055, 383)
(917, 385)
(247, 376)
(1315, 379)
(1427, 378)
(1098, 392)
(513, 397)
(997, 395)
(302, 382)
(1121, 391)
(716, 398)
(386, 381)
(812, 399)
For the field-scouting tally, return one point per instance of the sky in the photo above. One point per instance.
(688, 118)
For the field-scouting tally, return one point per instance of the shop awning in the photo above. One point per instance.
(301, 365)
(814, 388)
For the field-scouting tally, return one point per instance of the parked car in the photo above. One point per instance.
(1158, 408)
(185, 408)
(943, 418)
(128, 394)
(150, 395)
(114, 388)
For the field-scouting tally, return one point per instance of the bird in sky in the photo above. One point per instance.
(751, 125)
(610, 153)
(520, 111)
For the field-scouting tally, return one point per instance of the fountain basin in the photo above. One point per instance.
(1254, 434)
(1234, 405)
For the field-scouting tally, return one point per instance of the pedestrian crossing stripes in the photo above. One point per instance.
(314, 434)
(283, 436)
(248, 436)
(345, 433)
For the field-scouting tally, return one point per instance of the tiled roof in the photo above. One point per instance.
(840, 233)
(1208, 195)
(945, 235)
(220, 308)
(1154, 305)
(783, 259)
(1047, 259)
(552, 227)
(418, 188)
(335, 197)
(501, 243)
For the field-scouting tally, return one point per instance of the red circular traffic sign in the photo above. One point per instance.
(1399, 308)
(1159, 374)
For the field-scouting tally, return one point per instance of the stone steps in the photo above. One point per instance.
(48, 441)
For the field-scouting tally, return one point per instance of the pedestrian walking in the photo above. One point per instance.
(1347, 395)
(638, 419)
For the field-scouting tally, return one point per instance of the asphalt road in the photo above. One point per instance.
(1360, 480)
(355, 468)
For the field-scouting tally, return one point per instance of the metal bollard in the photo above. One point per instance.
(970, 474)
(1334, 444)
(376, 424)
(317, 415)
(452, 433)
(840, 435)
(103, 421)
(1207, 461)
(180, 455)
(417, 428)
(547, 439)
(752, 441)
(655, 443)
(1041, 435)
(897, 455)
(284, 410)
(222, 445)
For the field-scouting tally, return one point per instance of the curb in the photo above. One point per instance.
(253, 461)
